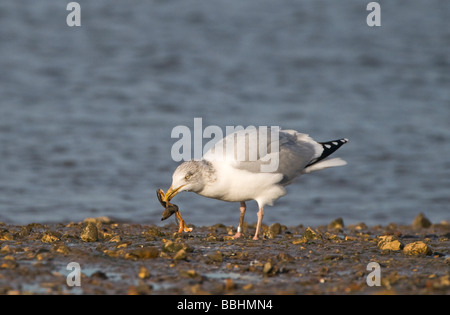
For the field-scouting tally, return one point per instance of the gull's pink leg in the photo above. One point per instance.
(241, 221)
(258, 225)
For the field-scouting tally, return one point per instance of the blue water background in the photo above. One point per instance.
(86, 113)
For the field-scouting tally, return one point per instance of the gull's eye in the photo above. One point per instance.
(187, 176)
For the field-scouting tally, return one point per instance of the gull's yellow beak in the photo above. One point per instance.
(172, 192)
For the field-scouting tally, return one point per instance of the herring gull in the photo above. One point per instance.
(237, 176)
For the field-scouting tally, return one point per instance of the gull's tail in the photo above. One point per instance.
(328, 148)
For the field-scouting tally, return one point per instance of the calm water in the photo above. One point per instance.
(86, 113)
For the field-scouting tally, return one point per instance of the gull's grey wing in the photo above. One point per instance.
(251, 149)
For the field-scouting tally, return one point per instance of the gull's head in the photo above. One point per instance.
(187, 177)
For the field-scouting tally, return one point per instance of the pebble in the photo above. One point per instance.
(285, 257)
(49, 238)
(310, 234)
(358, 227)
(180, 255)
(99, 275)
(336, 224)
(143, 253)
(215, 257)
(5, 249)
(8, 264)
(389, 242)
(5, 236)
(172, 247)
(143, 273)
(141, 289)
(115, 239)
(420, 221)
(418, 248)
(274, 230)
(89, 233)
(154, 231)
(191, 273)
(267, 268)
(229, 284)
(61, 248)
(248, 287)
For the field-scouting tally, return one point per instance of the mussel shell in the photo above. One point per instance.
(170, 208)
(160, 194)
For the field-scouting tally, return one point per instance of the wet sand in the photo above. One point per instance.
(122, 258)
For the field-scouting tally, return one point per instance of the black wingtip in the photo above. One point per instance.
(331, 146)
(328, 148)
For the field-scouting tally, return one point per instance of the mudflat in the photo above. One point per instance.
(122, 258)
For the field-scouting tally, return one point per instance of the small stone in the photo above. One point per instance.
(336, 224)
(8, 264)
(211, 237)
(310, 234)
(43, 256)
(115, 239)
(285, 257)
(62, 249)
(9, 257)
(389, 242)
(99, 275)
(444, 281)
(172, 247)
(6, 236)
(191, 273)
(144, 273)
(359, 226)
(332, 237)
(143, 253)
(267, 267)
(198, 290)
(215, 257)
(154, 231)
(180, 255)
(5, 249)
(248, 287)
(421, 222)
(229, 284)
(49, 238)
(89, 233)
(274, 230)
(113, 253)
(418, 248)
(301, 240)
(141, 289)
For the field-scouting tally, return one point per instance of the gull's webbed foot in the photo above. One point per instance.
(238, 235)
(182, 224)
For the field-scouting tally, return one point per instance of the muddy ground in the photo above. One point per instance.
(121, 258)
